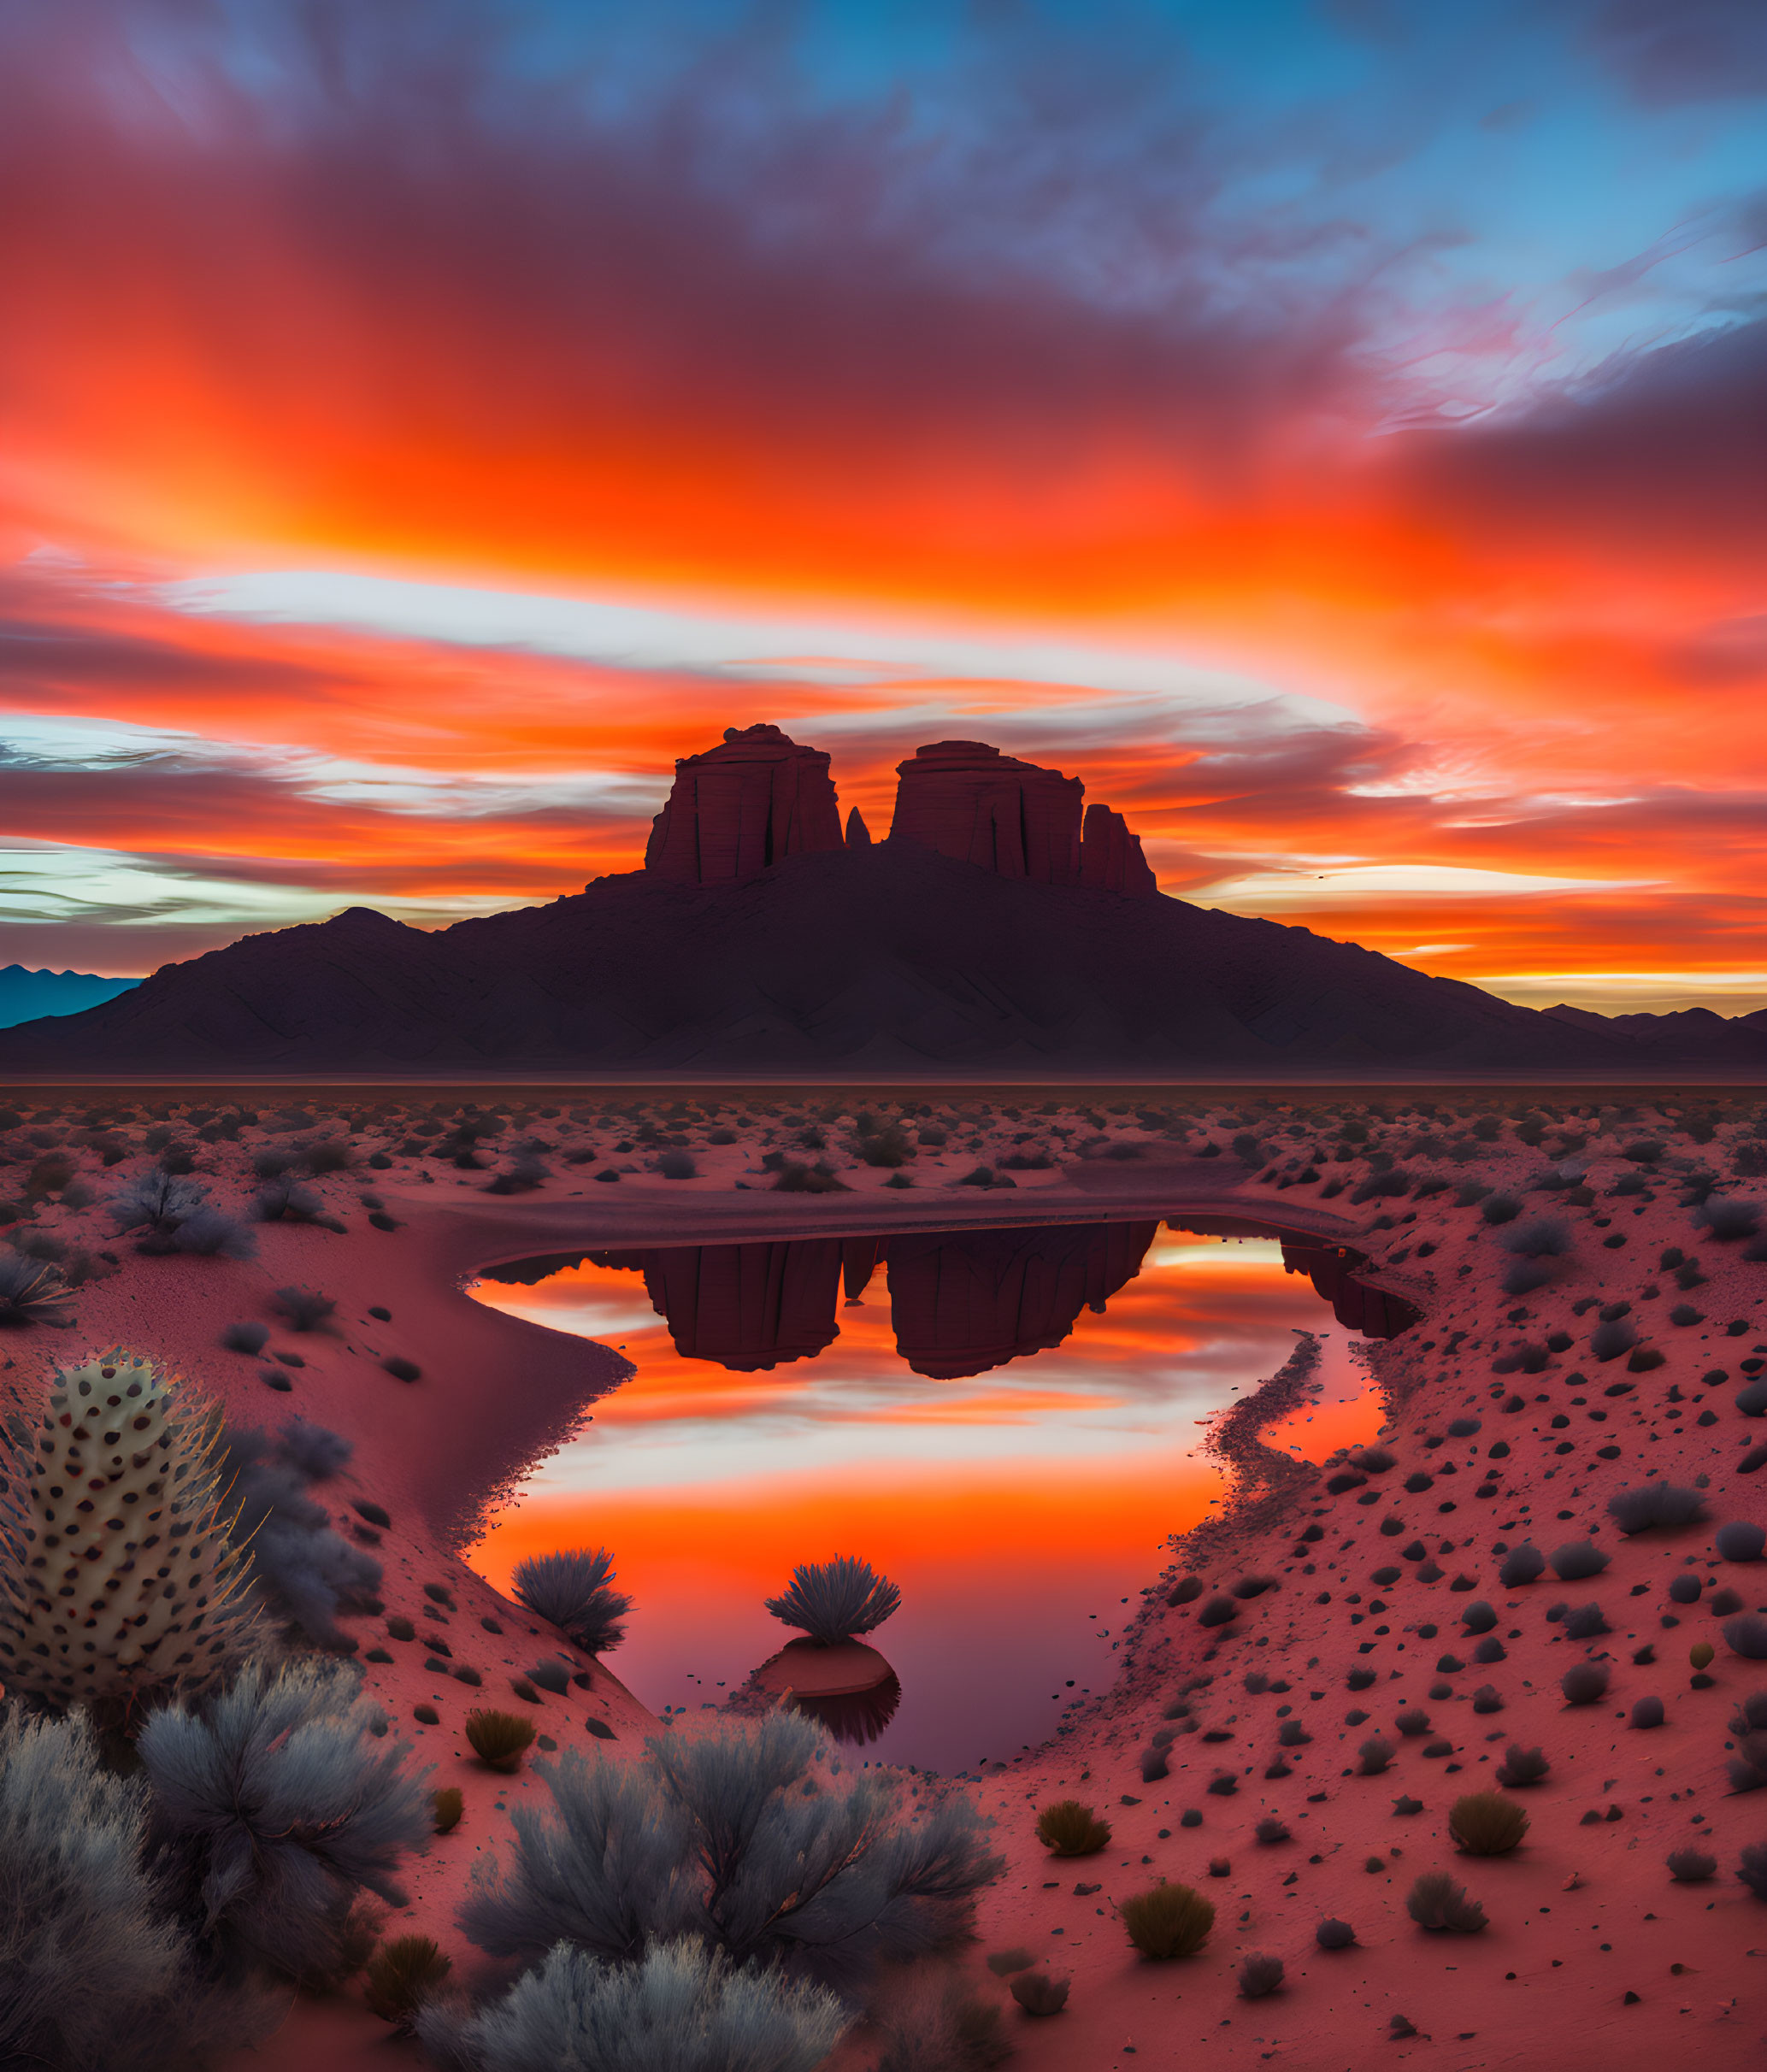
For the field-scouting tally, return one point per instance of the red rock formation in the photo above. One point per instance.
(1110, 856)
(963, 1302)
(755, 798)
(858, 835)
(966, 800)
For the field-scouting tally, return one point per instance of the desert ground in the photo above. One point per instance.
(1328, 1607)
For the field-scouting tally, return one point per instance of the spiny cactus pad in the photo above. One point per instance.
(117, 1572)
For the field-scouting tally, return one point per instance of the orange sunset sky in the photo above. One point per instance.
(1337, 432)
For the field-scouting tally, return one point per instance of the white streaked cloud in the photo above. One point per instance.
(1299, 885)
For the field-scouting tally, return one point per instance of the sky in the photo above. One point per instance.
(1336, 430)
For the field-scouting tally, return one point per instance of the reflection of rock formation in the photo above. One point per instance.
(857, 1717)
(745, 1306)
(962, 1302)
(1332, 1269)
(754, 799)
(849, 1688)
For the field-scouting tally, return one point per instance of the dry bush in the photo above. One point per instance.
(1169, 1920)
(499, 1739)
(1068, 1828)
(1486, 1823)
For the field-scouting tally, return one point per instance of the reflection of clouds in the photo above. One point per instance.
(1203, 1319)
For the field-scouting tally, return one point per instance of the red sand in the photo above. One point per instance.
(1580, 1915)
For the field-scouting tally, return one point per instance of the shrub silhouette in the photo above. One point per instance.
(499, 1739)
(207, 1234)
(1479, 1617)
(1154, 1764)
(1439, 1902)
(1740, 1540)
(245, 1337)
(1270, 1829)
(301, 1570)
(1647, 1712)
(402, 1975)
(1607, 1341)
(1577, 1561)
(1499, 1207)
(1655, 1504)
(1746, 1635)
(1583, 1682)
(1752, 1868)
(301, 1309)
(1375, 1753)
(1523, 1564)
(738, 1836)
(1068, 1828)
(149, 1627)
(282, 1200)
(1169, 1920)
(1413, 1724)
(449, 1804)
(819, 1178)
(1586, 1623)
(1691, 1866)
(1522, 1277)
(276, 1806)
(571, 1589)
(31, 1291)
(1486, 1823)
(1522, 1766)
(1260, 1977)
(1185, 1590)
(1040, 1994)
(1334, 1935)
(680, 2006)
(1218, 1611)
(1728, 1218)
(832, 1601)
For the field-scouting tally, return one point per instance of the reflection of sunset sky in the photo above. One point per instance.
(1333, 432)
(1048, 1485)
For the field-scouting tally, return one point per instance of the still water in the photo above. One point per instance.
(1007, 1423)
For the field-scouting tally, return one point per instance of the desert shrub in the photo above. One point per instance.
(1499, 1207)
(1259, 1976)
(282, 1200)
(207, 1234)
(1609, 1338)
(1644, 1358)
(1218, 1611)
(1740, 1539)
(1577, 1560)
(550, 1675)
(1334, 1935)
(891, 1146)
(1438, 1901)
(832, 1601)
(1647, 1712)
(525, 1172)
(1585, 1622)
(448, 1804)
(155, 1204)
(402, 1975)
(737, 1836)
(1486, 1823)
(1746, 1635)
(245, 1337)
(1654, 1504)
(1186, 1591)
(1726, 1218)
(571, 1589)
(1068, 1828)
(681, 2008)
(1376, 1752)
(275, 1807)
(1270, 1829)
(1040, 1994)
(1169, 1920)
(1522, 1277)
(302, 1571)
(674, 1165)
(1413, 1723)
(1541, 1237)
(932, 2022)
(303, 1309)
(500, 1739)
(1583, 1682)
(1691, 1866)
(31, 1291)
(1479, 1617)
(1684, 1589)
(1752, 1868)
(1522, 1766)
(819, 1178)
(95, 1976)
(139, 1627)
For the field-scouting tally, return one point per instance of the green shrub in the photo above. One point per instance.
(1068, 1828)
(1486, 1823)
(1169, 1920)
(499, 1739)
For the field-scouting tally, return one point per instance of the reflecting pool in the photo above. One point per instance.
(1005, 1423)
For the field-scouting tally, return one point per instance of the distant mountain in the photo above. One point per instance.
(27, 995)
(890, 959)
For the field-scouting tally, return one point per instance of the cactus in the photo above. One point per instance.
(117, 1572)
